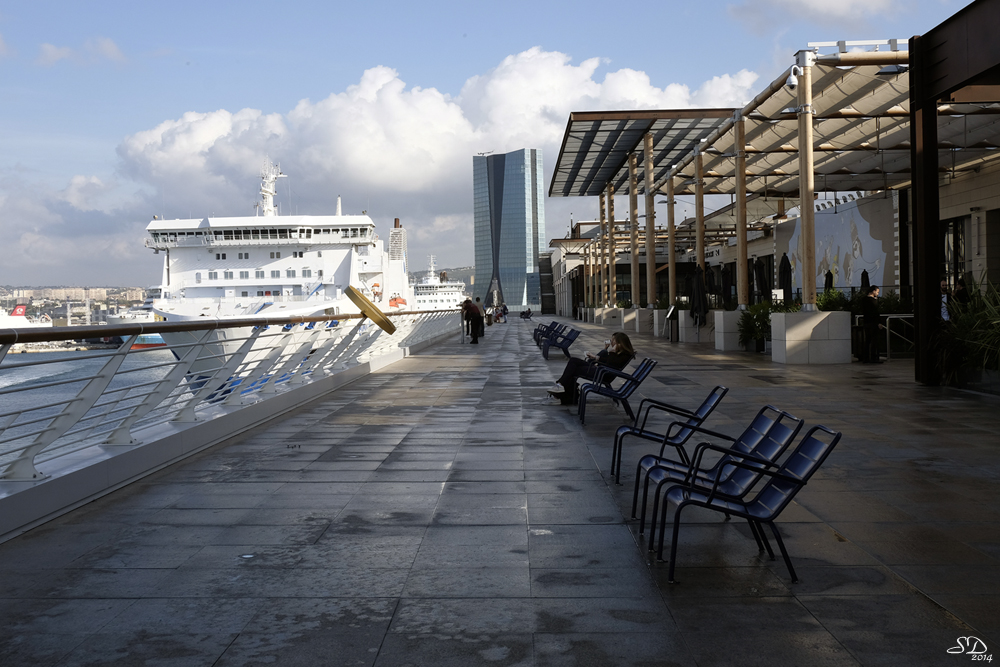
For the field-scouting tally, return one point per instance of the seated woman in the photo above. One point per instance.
(616, 354)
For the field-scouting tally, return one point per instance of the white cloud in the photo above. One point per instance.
(394, 150)
(84, 191)
(94, 50)
(103, 47)
(49, 54)
(762, 14)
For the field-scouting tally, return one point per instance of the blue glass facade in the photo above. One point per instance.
(509, 215)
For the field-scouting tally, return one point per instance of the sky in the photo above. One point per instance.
(113, 112)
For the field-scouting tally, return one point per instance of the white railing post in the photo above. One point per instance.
(23, 467)
(122, 435)
(216, 383)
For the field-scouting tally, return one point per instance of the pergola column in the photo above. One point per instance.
(807, 212)
(742, 277)
(600, 253)
(699, 209)
(671, 248)
(612, 249)
(647, 151)
(586, 276)
(633, 216)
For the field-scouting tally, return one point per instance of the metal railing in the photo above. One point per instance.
(56, 405)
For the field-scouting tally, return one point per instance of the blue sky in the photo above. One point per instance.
(111, 112)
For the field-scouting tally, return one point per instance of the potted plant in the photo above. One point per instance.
(755, 325)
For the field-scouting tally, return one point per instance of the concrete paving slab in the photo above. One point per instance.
(486, 529)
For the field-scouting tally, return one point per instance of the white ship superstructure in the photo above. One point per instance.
(433, 293)
(271, 265)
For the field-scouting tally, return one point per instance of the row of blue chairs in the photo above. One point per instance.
(730, 484)
(555, 335)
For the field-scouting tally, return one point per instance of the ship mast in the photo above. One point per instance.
(269, 173)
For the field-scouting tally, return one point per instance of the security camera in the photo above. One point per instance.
(792, 82)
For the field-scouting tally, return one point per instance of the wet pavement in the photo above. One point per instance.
(436, 513)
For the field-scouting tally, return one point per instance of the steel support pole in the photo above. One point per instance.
(601, 252)
(928, 232)
(742, 279)
(612, 249)
(699, 209)
(633, 215)
(586, 276)
(671, 248)
(807, 210)
(647, 152)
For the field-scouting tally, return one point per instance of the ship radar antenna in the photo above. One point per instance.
(269, 174)
(431, 268)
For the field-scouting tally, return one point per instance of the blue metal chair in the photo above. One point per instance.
(544, 331)
(779, 490)
(677, 432)
(602, 386)
(561, 341)
(769, 434)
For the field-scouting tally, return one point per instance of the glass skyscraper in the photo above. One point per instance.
(509, 224)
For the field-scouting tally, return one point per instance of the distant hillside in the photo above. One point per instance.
(463, 273)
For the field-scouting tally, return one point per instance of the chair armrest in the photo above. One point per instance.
(702, 447)
(762, 471)
(702, 429)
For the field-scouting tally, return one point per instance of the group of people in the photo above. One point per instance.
(474, 316)
(617, 352)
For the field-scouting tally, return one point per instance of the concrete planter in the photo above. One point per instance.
(727, 335)
(644, 320)
(811, 337)
(628, 319)
(612, 317)
(689, 333)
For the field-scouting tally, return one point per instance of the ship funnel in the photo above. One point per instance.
(444, 276)
(339, 212)
(397, 225)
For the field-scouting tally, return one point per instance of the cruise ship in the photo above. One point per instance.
(271, 265)
(436, 292)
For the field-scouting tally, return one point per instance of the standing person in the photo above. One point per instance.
(478, 326)
(503, 309)
(467, 316)
(945, 300)
(617, 352)
(872, 324)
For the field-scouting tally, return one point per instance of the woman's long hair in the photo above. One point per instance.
(622, 343)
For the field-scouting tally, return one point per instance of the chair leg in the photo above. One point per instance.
(635, 492)
(673, 543)
(645, 498)
(628, 409)
(756, 536)
(657, 508)
(583, 404)
(784, 552)
(763, 538)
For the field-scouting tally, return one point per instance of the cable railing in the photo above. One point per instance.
(55, 405)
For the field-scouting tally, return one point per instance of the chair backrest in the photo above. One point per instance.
(700, 415)
(767, 437)
(633, 382)
(801, 464)
(571, 336)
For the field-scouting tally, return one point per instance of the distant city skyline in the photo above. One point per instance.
(113, 112)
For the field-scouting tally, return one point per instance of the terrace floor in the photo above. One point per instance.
(435, 513)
